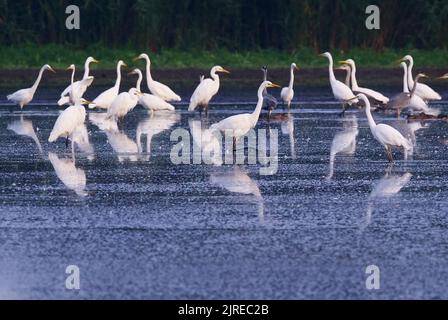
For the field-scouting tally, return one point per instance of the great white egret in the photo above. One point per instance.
(287, 93)
(105, 99)
(123, 103)
(357, 89)
(385, 134)
(238, 125)
(25, 96)
(150, 101)
(408, 99)
(79, 87)
(269, 101)
(69, 120)
(341, 92)
(206, 90)
(81, 84)
(422, 90)
(155, 87)
(344, 142)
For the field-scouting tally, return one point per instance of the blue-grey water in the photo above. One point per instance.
(138, 226)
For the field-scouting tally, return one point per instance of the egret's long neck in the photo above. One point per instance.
(139, 81)
(214, 76)
(86, 70)
(256, 114)
(405, 80)
(347, 78)
(372, 123)
(148, 71)
(39, 77)
(118, 81)
(414, 87)
(354, 82)
(291, 80)
(410, 77)
(330, 69)
(73, 77)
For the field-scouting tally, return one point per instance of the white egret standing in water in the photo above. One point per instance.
(422, 90)
(83, 85)
(206, 90)
(287, 93)
(69, 120)
(155, 87)
(105, 99)
(341, 92)
(150, 101)
(385, 134)
(238, 125)
(123, 103)
(25, 96)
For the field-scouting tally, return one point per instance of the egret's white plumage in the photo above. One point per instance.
(105, 99)
(69, 119)
(385, 134)
(81, 86)
(150, 101)
(341, 92)
(207, 142)
(24, 96)
(206, 90)
(123, 103)
(238, 125)
(287, 93)
(155, 87)
(357, 89)
(423, 91)
(124, 147)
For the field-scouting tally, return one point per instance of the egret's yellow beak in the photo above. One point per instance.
(297, 67)
(225, 71)
(273, 85)
(95, 61)
(84, 101)
(137, 58)
(343, 62)
(444, 77)
(131, 73)
(322, 55)
(139, 93)
(125, 65)
(424, 76)
(51, 69)
(69, 68)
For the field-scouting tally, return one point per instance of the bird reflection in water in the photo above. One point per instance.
(73, 178)
(155, 124)
(386, 188)
(344, 142)
(207, 142)
(236, 180)
(25, 128)
(81, 139)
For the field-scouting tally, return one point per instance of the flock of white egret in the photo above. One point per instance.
(415, 96)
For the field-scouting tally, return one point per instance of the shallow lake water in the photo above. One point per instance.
(138, 226)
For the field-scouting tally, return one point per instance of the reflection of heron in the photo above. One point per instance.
(207, 141)
(73, 178)
(408, 129)
(153, 125)
(125, 147)
(344, 142)
(237, 181)
(103, 121)
(387, 187)
(25, 128)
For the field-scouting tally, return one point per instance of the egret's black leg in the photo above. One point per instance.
(66, 142)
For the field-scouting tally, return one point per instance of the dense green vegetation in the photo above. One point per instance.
(61, 56)
(238, 33)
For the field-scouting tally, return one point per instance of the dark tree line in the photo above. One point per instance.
(230, 24)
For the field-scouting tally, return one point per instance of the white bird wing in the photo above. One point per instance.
(105, 99)
(66, 123)
(239, 124)
(203, 93)
(286, 94)
(390, 136)
(163, 91)
(373, 94)
(426, 92)
(342, 93)
(155, 103)
(20, 95)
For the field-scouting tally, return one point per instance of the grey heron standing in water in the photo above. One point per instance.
(269, 101)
